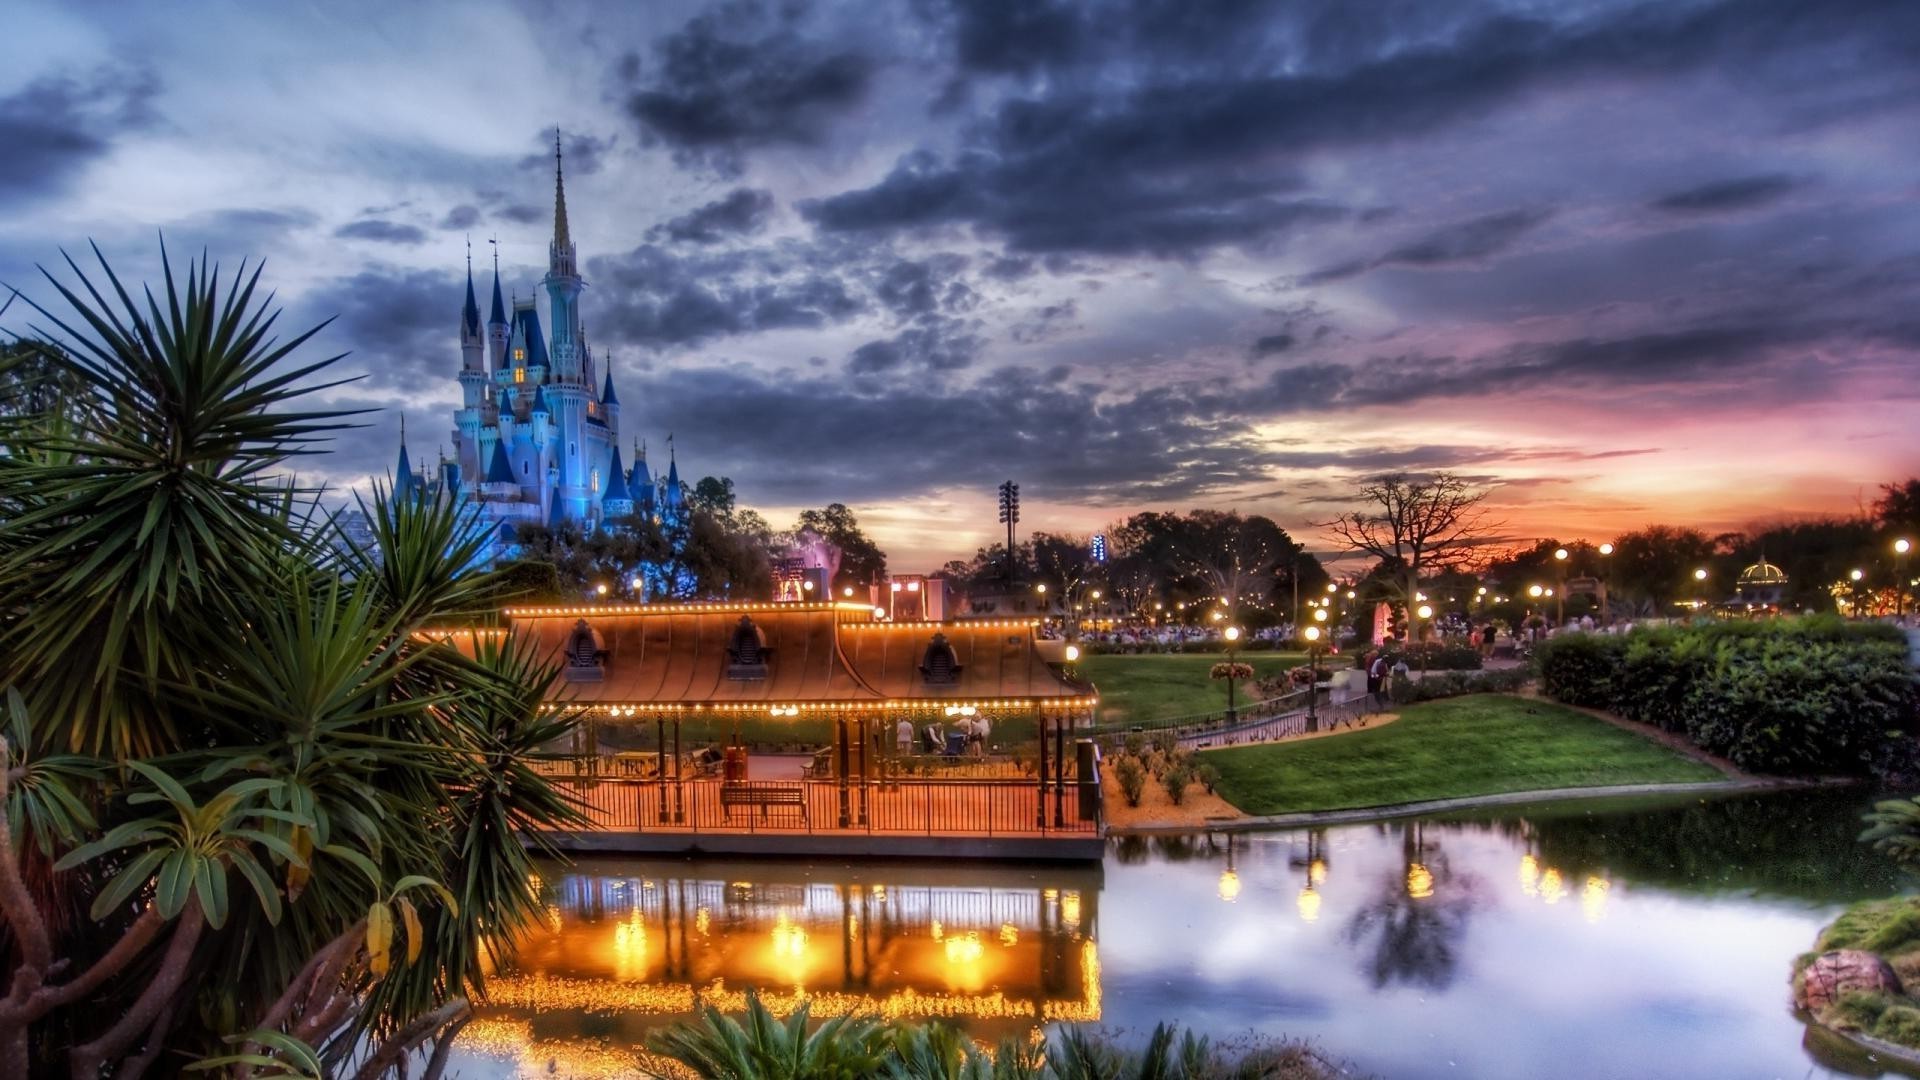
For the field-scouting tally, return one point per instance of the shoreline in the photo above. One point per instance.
(1362, 814)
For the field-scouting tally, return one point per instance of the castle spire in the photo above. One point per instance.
(561, 240)
(499, 313)
(470, 314)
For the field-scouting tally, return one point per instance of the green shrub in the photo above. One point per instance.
(1175, 780)
(1581, 669)
(1435, 686)
(1208, 776)
(1899, 1024)
(1133, 779)
(1858, 1010)
(1814, 695)
(1441, 656)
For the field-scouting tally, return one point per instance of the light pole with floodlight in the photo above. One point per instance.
(1232, 634)
(1560, 556)
(1900, 549)
(1313, 677)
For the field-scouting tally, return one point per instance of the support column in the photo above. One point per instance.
(866, 770)
(1040, 729)
(660, 761)
(1060, 771)
(679, 781)
(846, 808)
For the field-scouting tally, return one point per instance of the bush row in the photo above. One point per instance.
(1803, 696)
(1432, 687)
(1449, 655)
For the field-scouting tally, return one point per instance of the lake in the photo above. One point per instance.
(1636, 939)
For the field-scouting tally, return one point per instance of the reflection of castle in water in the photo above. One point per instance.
(630, 946)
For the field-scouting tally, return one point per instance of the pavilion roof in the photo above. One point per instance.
(821, 656)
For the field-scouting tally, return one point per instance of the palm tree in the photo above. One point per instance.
(251, 815)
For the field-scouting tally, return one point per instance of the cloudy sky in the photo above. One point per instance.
(1626, 262)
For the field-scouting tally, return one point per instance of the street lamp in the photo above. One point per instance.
(1560, 602)
(1313, 677)
(1232, 634)
(1700, 576)
(601, 588)
(1900, 549)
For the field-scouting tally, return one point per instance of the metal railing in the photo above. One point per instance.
(1111, 736)
(896, 806)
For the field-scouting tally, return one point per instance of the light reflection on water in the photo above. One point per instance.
(1604, 940)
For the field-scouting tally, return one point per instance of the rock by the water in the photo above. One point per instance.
(1842, 971)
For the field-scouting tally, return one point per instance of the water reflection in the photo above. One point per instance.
(1642, 939)
(631, 945)
(1409, 930)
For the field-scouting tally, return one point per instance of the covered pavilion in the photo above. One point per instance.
(661, 665)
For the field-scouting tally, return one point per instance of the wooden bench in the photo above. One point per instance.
(763, 794)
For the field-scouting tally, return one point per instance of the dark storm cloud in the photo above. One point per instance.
(658, 297)
(51, 128)
(1187, 156)
(933, 344)
(742, 77)
(741, 212)
(1272, 343)
(385, 232)
(1738, 193)
(1046, 322)
(1466, 241)
(461, 217)
(403, 326)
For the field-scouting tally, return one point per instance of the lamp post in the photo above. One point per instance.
(1900, 549)
(1560, 594)
(1606, 556)
(1856, 575)
(1313, 677)
(1232, 634)
(1425, 612)
(1700, 576)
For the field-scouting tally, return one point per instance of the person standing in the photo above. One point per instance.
(903, 736)
(979, 736)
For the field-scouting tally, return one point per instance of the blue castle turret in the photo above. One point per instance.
(536, 436)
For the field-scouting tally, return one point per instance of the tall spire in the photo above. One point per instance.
(560, 238)
(403, 469)
(499, 312)
(470, 315)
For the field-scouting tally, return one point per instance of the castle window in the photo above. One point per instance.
(524, 468)
(519, 374)
(573, 449)
(596, 480)
(593, 408)
(519, 354)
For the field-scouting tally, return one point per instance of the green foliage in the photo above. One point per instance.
(1133, 779)
(764, 1048)
(208, 681)
(1899, 1024)
(1176, 779)
(1475, 745)
(1445, 684)
(715, 1045)
(1895, 831)
(1441, 656)
(1858, 1010)
(1802, 696)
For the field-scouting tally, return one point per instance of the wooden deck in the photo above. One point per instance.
(908, 817)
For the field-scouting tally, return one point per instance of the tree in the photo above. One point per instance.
(1655, 565)
(235, 781)
(1898, 507)
(1423, 525)
(862, 562)
(714, 494)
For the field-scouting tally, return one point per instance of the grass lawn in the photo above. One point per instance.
(1151, 686)
(1481, 744)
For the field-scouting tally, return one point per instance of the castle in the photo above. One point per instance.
(536, 438)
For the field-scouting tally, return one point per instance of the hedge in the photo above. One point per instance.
(1431, 687)
(1801, 696)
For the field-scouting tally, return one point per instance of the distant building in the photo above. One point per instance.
(1760, 587)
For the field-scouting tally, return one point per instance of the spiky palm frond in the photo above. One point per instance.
(162, 494)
